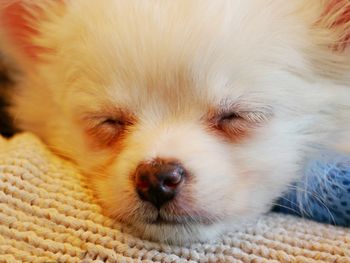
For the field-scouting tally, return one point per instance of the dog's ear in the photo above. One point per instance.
(329, 22)
(336, 18)
(20, 24)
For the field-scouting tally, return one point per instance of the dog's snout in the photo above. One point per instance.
(158, 182)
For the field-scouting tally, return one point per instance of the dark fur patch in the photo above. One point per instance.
(7, 82)
(7, 128)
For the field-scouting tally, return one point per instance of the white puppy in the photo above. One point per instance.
(185, 115)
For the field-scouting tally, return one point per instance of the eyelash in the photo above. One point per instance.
(112, 122)
(229, 116)
(236, 125)
(229, 121)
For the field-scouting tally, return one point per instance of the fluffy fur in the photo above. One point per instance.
(240, 92)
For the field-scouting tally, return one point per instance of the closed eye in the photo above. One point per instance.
(236, 123)
(229, 116)
(107, 129)
(113, 122)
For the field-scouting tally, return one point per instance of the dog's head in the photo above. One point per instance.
(184, 115)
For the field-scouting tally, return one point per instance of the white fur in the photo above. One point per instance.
(168, 62)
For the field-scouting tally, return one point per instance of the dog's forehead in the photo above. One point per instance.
(171, 53)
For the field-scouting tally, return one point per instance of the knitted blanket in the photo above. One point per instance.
(47, 214)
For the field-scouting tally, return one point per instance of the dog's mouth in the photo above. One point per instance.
(161, 221)
(179, 220)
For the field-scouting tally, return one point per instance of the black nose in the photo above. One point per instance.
(159, 181)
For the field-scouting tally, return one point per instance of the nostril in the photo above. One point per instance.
(174, 179)
(142, 182)
(171, 184)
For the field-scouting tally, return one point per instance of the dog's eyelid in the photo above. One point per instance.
(115, 117)
(243, 107)
(105, 129)
(113, 121)
(229, 116)
(236, 113)
(255, 116)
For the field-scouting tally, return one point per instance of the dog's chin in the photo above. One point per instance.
(178, 233)
(181, 230)
(148, 223)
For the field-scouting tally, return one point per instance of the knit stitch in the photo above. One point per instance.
(48, 214)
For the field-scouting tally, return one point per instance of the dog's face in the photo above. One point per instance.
(185, 116)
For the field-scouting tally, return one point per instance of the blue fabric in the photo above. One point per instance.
(323, 193)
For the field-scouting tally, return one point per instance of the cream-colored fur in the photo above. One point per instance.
(172, 65)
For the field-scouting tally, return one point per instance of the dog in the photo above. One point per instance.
(186, 116)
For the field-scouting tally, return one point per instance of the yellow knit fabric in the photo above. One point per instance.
(47, 214)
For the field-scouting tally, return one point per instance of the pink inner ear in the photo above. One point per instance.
(341, 20)
(17, 23)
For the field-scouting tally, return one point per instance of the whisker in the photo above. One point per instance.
(304, 200)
